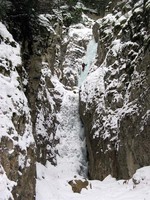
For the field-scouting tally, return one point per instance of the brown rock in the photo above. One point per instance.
(78, 185)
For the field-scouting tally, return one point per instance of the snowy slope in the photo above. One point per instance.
(71, 158)
(71, 148)
(52, 186)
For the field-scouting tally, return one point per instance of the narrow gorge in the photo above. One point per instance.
(63, 128)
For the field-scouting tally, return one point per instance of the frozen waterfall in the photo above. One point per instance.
(88, 59)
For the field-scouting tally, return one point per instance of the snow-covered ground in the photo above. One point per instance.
(51, 185)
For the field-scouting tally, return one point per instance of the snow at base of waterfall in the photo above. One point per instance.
(51, 185)
(52, 181)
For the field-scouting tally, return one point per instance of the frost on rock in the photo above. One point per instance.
(15, 120)
(13, 103)
(113, 100)
(6, 186)
(46, 121)
(114, 97)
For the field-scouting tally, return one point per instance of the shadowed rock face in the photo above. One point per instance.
(45, 6)
(42, 52)
(40, 47)
(121, 124)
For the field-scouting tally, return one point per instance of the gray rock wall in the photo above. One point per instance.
(17, 145)
(117, 119)
(41, 52)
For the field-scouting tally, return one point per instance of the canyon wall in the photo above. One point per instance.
(39, 53)
(115, 111)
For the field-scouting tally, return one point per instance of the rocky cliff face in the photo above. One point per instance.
(41, 48)
(116, 116)
(114, 107)
(17, 150)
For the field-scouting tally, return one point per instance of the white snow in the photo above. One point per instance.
(12, 98)
(5, 186)
(71, 148)
(79, 30)
(96, 80)
(50, 185)
(71, 151)
(6, 50)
